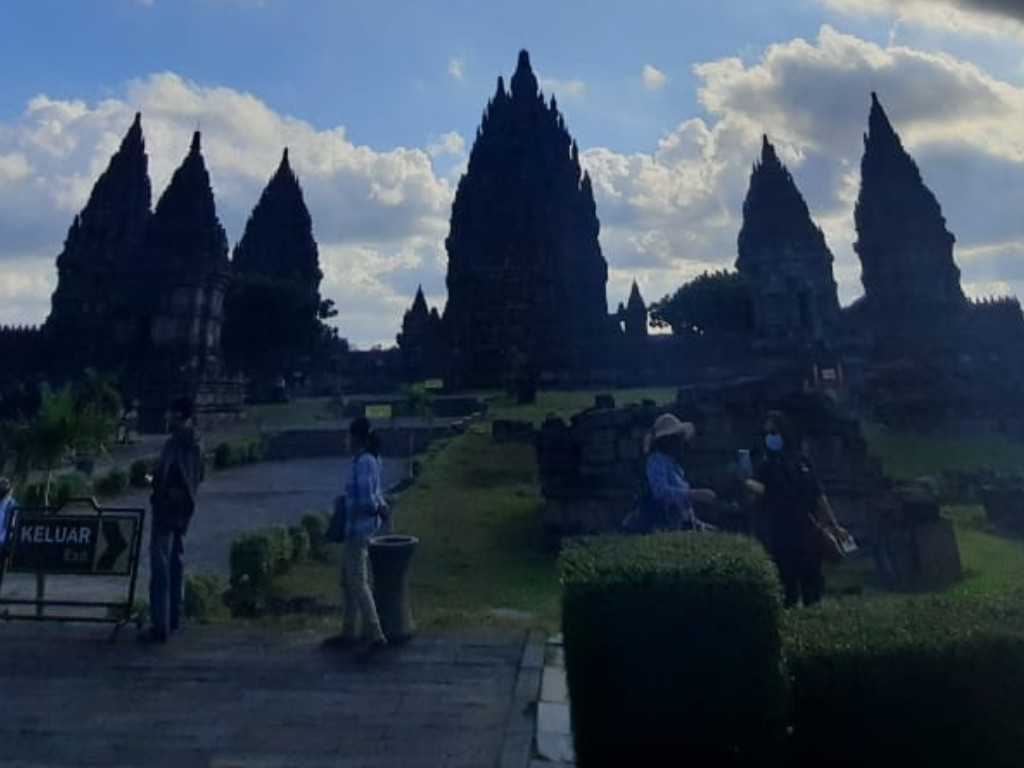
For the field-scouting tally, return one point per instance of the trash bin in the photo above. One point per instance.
(389, 559)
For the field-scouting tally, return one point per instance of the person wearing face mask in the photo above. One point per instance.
(794, 505)
(666, 481)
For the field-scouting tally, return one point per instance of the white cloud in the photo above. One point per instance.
(455, 68)
(674, 212)
(450, 143)
(654, 79)
(987, 18)
(381, 216)
(572, 89)
(378, 214)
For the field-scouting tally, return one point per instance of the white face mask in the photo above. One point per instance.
(773, 442)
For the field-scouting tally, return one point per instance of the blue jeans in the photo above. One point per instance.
(166, 579)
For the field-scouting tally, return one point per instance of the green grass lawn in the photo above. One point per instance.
(565, 403)
(295, 414)
(905, 456)
(476, 510)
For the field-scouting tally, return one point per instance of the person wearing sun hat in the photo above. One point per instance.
(666, 479)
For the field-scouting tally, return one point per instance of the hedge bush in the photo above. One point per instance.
(315, 524)
(300, 543)
(204, 598)
(672, 650)
(922, 681)
(116, 481)
(231, 453)
(256, 558)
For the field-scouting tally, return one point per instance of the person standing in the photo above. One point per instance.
(669, 488)
(7, 505)
(173, 501)
(793, 506)
(365, 509)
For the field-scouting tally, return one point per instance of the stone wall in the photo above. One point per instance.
(591, 467)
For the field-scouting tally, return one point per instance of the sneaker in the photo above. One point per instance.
(367, 651)
(339, 642)
(152, 637)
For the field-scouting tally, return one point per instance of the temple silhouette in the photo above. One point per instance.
(151, 296)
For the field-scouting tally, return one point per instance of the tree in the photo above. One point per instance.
(711, 304)
(77, 420)
(271, 325)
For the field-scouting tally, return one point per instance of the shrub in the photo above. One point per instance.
(256, 558)
(254, 451)
(232, 453)
(138, 470)
(300, 543)
(281, 548)
(934, 679)
(316, 526)
(672, 647)
(111, 484)
(223, 455)
(62, 488)
(203, 599)
(252, 567)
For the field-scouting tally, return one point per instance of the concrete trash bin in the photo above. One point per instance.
(389, 559)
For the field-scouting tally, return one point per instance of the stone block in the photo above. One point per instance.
(599, 448)
(629, 449)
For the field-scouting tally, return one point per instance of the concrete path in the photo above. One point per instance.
(216, 697)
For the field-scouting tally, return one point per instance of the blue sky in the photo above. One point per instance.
(379, 102)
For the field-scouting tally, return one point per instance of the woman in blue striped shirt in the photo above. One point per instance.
(365, 507)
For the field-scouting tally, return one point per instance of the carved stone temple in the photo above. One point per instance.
(526, 276)
(788, 266)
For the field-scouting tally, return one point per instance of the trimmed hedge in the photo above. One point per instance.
(672, 650)
(232, 453)
(203, 600)
(922, 681)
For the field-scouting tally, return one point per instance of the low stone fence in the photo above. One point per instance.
(592, 467)
(396, 441)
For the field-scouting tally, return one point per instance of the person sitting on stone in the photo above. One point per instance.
(666, 480)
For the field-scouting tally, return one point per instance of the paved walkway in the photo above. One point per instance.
(228, 698)
(230, 501)
(232, 698)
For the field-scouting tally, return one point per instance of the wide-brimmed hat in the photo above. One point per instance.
(667, 424)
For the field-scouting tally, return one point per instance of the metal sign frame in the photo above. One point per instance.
(92, 517)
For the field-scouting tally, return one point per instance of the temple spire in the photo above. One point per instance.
(524, 82)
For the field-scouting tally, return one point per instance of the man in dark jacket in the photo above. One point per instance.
(175, 480)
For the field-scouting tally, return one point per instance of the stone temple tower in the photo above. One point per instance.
(788, 266)
(526, 278)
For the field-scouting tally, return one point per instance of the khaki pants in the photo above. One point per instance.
(356, 594)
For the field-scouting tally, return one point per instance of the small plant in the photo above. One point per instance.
(204, 600)
(111, 484)
(301, 545)
(315, 526)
